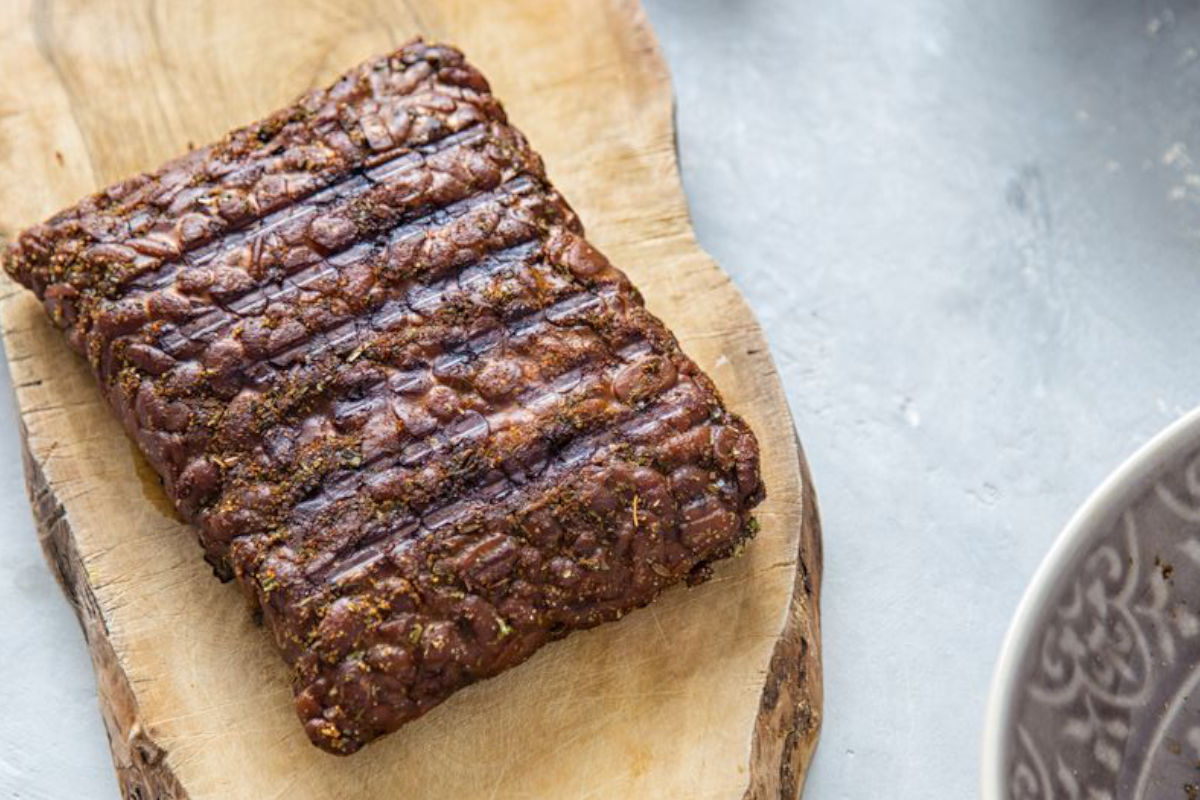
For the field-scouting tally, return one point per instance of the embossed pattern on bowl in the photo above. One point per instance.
(1097, 691)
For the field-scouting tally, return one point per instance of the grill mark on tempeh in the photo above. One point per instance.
(583, 446)
(175, 339)
(396, 307)
(418, 451)
(145, 198)
(439, 268)
(346, 187)
(512, 331)
(241, 305)
(421, 452)
(354, 336)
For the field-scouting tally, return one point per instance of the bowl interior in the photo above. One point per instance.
(1097, 691)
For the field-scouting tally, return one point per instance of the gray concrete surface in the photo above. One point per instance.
(970, 229)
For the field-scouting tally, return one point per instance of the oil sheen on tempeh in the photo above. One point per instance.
(423, 423)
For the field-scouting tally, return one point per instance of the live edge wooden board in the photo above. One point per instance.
(713, 691)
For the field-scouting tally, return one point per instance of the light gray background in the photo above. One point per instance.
(971, 229)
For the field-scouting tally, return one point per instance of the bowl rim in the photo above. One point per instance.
(1120, 487)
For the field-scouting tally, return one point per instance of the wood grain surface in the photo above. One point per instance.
(713, 691)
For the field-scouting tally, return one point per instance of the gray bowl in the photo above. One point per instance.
(1097, 691)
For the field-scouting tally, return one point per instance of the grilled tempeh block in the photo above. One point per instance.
(423, 423)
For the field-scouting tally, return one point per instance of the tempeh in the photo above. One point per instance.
(424, 424)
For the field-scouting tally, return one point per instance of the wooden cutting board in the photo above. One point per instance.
(711, 692)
